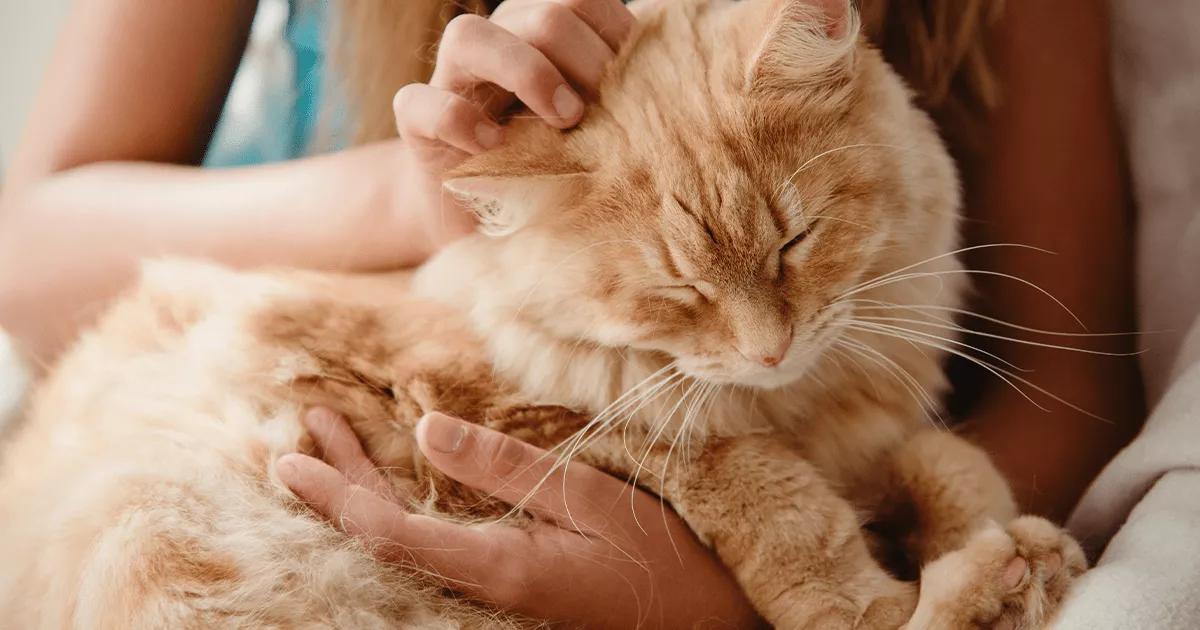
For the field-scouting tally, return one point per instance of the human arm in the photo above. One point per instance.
(601, 554)
(105, 175)
(1053, 178)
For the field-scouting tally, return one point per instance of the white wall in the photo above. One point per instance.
(27, 32)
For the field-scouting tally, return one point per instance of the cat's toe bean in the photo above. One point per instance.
(1053, 563)
(1016, 572)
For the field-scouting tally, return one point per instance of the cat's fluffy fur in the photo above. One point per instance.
(653, 239)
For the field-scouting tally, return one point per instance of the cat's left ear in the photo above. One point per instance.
(802, 40)
(505, 204)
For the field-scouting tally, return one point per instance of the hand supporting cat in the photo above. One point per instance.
(795, 545)
(601, 555)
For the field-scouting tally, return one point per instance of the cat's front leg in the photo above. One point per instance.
(976, 573)
(793, 544)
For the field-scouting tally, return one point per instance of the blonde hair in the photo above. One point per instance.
(381, 45)
(939, 46)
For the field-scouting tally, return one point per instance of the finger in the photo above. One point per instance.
(339, 446)
(425, 113)
(468, 56)
(473, 560)
(566, 40)
(574, 496)
(610, 19)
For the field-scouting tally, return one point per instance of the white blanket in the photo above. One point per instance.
(1148, 499)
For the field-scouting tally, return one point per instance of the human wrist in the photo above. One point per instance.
(385, 222)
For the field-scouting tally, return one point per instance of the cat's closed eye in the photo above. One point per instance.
(795, 240)
(688, 291)
(798, 238)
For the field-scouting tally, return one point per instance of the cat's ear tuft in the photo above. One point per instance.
(803, 40)
(505, 204)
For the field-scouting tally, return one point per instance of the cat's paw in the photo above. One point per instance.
(1053, 562)
(1003, 579)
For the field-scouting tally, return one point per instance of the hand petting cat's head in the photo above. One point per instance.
(745, 165)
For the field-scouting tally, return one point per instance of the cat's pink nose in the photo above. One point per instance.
(773, 357)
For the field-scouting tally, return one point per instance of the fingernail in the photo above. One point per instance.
(487, 135)
(287, 466)
(568, 104)
(443, 433)
(319, 415)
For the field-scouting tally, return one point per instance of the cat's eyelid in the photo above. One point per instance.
(791, 239)
(704, 289)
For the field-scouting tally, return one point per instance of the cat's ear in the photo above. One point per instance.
(802, 40)
(505, 204)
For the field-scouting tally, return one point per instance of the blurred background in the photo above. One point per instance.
(27, 30)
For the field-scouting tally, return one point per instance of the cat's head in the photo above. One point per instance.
(745, 164)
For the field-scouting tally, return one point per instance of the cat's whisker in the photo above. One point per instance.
(837, 353)
(950, 254)
(662, 480)
(687, 444)
(922, 308)
(631, 409)
(999, 372)
(689, 418)
(995, 370)
(846, 147)
(650, 441)
(580, 439)
(902, 375)
(950, 340)
(1027, 342)
(980, 272)
(618, 416)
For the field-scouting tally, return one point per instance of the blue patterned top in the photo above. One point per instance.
(275, 101)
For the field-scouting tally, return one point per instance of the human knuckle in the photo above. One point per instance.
(459, 31)
(403, 101)
(458, 112)
(449, 118)
(579, 6)
(547, 22)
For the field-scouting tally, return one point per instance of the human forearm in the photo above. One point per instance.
(71, 240)
(1051, 456)
(1053, 179)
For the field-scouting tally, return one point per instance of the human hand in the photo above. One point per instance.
(549, 54)
(600, 554)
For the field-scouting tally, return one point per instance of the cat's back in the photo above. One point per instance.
(140, 489)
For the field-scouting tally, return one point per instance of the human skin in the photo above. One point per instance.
(637, 565)
(1053, 178)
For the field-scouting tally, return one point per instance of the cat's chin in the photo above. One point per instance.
(757, 379)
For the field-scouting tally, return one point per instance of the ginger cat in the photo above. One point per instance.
(740, 261)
